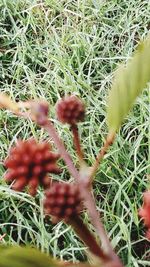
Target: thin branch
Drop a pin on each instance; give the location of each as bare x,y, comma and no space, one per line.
61,149
76,141
95,219
109,141
87,237
85,187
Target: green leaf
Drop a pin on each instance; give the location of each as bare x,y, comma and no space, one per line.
129,81
25,257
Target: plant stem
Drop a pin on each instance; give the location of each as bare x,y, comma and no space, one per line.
86,236
61,149
85,187
76,141
109,140
95,219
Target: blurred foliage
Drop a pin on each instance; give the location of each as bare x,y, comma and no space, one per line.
23,257
129,81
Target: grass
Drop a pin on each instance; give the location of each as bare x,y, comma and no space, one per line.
51,48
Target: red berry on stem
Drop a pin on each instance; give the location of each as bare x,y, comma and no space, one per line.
28,166
62,201
70,109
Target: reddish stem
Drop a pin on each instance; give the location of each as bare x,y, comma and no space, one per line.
61,149
86,236
95,219
109,141
76,141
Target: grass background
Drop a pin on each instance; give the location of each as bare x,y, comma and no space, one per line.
51,48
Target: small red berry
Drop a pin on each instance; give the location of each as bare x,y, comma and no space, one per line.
70,109
62,201
28,164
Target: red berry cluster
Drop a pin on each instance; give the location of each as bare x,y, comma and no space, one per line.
70,109
144,212
62,201
28,164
